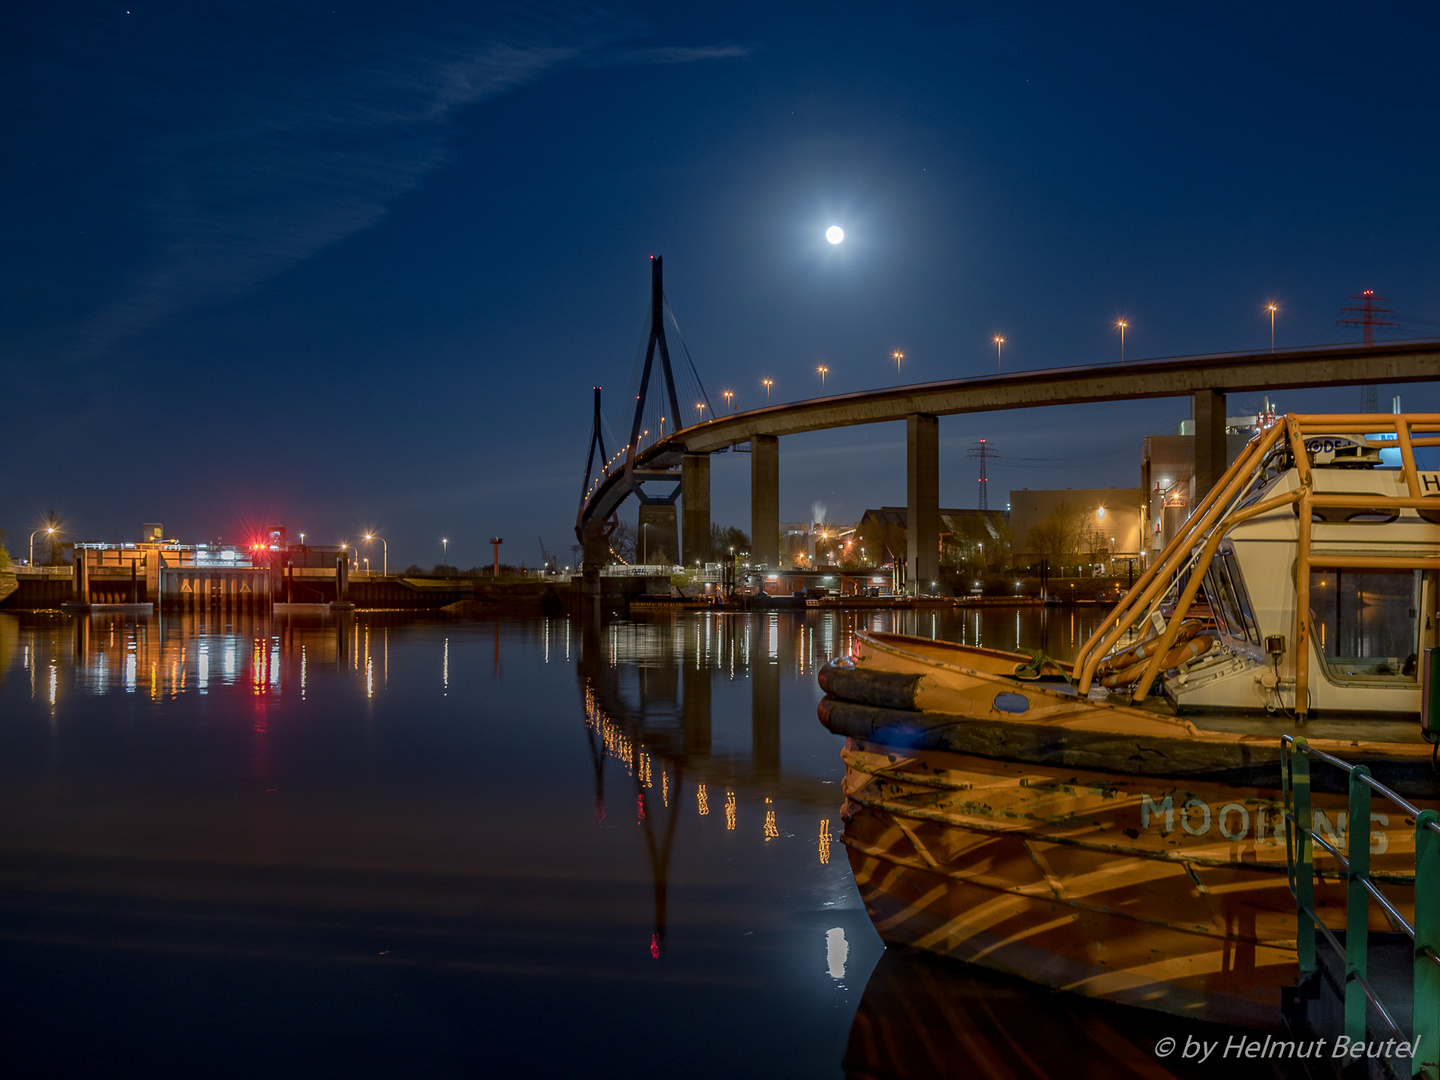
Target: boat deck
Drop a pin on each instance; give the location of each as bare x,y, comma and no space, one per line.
1344,729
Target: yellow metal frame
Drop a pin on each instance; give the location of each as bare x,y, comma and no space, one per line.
1195,545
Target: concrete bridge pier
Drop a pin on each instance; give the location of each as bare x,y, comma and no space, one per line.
922,501
658,538
695,501
1207,409
594,554
765,500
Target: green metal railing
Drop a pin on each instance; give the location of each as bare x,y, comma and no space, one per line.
1300,838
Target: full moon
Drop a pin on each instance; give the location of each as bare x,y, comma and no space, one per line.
834,234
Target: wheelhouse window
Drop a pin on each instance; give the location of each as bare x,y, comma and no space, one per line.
1229,601
1364,622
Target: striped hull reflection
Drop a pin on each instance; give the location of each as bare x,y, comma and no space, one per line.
1117,887
924,1019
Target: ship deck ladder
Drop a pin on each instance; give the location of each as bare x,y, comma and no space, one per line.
1354,863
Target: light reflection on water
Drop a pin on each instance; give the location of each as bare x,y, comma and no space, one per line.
407,845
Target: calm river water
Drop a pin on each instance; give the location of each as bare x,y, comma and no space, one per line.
383,845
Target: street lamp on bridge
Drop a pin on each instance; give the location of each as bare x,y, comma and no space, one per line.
384,554
767,383
49,530
897,356
699,411
823,370
999,344
1121,325
729,396
1272,307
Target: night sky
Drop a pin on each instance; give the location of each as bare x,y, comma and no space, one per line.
356,266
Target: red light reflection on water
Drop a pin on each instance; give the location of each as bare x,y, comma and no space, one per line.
640,804
654,946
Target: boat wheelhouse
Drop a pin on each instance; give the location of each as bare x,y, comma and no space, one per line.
1346,533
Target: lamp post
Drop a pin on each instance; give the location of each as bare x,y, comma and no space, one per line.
699,411
445,552
767,383
302,539
897,356
644,545
823,370
384,555
729,396
49,530
999,343
1121,325
1272,307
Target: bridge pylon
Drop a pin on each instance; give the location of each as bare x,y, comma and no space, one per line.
667,373
658,518
594,535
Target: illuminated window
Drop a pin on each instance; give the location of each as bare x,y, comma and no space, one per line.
1366,622
1225,590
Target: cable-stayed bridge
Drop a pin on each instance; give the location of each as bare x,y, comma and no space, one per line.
677,459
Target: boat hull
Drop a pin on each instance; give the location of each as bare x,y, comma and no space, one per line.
1160,892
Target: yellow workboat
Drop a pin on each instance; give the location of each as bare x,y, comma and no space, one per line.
1113,826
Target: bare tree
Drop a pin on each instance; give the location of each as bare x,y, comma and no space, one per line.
724,539
622,542
1064,537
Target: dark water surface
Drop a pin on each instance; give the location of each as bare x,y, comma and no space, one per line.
382,845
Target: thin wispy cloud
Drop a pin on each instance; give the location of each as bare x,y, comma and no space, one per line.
286,159
677,54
